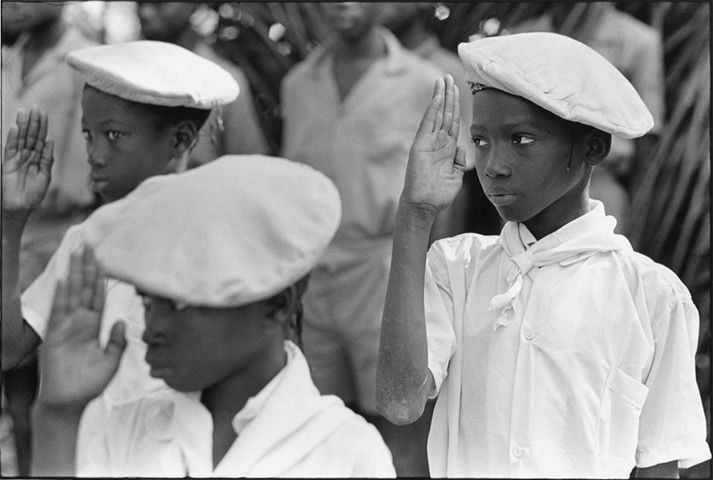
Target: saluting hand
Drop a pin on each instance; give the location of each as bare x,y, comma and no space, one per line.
434,174
74,367
27,162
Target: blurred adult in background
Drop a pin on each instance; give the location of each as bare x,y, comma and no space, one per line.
414,25
234,128
351,110
636,49
36,38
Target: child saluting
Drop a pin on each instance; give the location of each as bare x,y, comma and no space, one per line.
554,349
220,255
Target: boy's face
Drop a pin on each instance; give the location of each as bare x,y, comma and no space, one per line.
164,21
351,20
521,157
124,143
195,348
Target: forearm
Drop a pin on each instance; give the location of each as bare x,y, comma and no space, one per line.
54,441
402,371
18,339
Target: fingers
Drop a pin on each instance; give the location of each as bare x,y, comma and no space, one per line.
429,119
47,158
459,160
75,280
11,142
60,306
455,125
33,128
22,122
448,107
117,340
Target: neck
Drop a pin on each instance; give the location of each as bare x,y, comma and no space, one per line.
369,45
414,36
225,399
46,35
560,213
187,39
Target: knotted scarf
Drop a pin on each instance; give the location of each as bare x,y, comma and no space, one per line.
588,235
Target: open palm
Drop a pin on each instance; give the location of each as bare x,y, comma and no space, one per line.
74,367
434,175
27,162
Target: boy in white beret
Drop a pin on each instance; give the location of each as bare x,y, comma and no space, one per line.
143,105
221,256
554,350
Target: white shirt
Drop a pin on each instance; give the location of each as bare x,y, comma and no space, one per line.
287,429
584,367
132,379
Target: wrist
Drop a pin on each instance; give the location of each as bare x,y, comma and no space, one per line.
15,219
65,413
419,216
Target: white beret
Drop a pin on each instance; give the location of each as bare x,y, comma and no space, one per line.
231,232
561,75
156,73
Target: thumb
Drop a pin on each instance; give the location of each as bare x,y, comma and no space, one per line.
459,160
117,340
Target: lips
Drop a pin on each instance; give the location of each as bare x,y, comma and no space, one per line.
500,197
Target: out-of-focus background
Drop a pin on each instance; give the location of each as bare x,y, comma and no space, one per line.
667,186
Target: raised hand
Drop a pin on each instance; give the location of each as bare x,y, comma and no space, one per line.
27,162
434,175
74,367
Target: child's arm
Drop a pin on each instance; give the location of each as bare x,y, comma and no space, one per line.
74,368
26,169
433,178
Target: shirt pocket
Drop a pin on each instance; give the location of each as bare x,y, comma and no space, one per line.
618,422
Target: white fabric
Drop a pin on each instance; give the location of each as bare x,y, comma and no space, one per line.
155,73
561,75
593,375
559,247
287,431
132,380
231,232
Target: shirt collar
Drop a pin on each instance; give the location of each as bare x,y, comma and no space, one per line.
573,229
256,403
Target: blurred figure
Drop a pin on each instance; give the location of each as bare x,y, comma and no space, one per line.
414,25
351,110
636,50
239,129
35,40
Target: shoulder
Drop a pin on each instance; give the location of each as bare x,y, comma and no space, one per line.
303,69
462,246
660,287
362,442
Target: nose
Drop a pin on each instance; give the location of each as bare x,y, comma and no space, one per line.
496,163
95,155
156,326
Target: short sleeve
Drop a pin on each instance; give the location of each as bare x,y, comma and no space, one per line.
438,307
672,423
36,300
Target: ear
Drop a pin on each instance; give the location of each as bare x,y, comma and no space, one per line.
184,137
281,307
597,144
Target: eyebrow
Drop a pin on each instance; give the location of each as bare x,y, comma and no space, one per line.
527,124
107,122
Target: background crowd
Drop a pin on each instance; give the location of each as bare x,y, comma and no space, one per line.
657,187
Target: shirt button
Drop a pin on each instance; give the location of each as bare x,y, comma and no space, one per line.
529,335
517,452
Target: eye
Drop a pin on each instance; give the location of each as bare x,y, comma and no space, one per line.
86,134
479,142
113,135
522,139
177,306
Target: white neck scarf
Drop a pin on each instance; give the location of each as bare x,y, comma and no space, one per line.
588,235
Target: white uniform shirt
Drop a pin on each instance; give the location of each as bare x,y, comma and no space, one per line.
287,429
584,366
132,380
